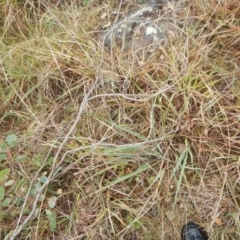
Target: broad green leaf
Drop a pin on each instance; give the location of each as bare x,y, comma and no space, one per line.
11,140
20,158
8,183
52,219
6,202
42,198
2,156
33,192
52,202
43,178
4,173
2,193
3,147
36,212
35,189
37,159
38,186
85,2
19,202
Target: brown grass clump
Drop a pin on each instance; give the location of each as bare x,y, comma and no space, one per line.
116,148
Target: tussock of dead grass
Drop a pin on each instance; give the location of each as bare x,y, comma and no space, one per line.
157,143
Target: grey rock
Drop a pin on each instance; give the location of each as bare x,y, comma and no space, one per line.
146,27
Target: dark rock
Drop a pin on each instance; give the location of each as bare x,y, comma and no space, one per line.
147,26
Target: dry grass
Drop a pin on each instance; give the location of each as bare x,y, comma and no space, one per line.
154,146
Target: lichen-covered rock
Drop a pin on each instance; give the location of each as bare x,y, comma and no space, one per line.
148,27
